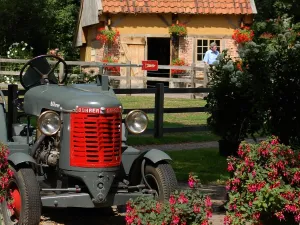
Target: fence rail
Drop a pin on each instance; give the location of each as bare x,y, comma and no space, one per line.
13,92
189,78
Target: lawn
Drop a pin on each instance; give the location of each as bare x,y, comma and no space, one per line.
210,167
170,120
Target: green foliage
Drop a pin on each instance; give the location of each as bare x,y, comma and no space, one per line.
230,102
186,207
265,184
41,24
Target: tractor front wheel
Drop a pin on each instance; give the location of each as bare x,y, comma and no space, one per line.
22,203
162,179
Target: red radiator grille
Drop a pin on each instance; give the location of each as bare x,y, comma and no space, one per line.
95,140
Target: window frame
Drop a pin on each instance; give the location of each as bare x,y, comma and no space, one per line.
209,40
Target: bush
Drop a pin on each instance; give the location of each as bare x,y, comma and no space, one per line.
265,184
185,207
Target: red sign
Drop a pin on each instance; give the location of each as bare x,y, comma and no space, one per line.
150,65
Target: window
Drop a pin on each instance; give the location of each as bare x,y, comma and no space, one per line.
203,45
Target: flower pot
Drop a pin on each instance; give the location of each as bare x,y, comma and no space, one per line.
228,148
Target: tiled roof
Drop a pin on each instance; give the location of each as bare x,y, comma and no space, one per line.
180,6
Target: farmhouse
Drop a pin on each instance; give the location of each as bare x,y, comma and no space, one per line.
144,28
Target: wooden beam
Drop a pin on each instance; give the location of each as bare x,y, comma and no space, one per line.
163,19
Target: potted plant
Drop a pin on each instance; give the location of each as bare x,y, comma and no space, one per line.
108,36
177,73
178,30
264,188
185,207
230,104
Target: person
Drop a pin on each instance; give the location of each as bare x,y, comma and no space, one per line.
209,58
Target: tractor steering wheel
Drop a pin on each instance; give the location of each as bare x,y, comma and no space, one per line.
40,72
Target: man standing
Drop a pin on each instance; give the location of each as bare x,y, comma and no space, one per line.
210,56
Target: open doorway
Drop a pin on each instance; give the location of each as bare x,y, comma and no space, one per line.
159,49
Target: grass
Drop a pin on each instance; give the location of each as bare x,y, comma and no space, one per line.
210,167
173,138
170,120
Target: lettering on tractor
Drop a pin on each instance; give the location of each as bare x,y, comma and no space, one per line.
76,155
53,104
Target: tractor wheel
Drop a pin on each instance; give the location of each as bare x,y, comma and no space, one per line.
24,194
162,179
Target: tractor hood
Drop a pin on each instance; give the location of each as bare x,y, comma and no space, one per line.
55,97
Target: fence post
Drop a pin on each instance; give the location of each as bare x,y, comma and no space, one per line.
61,72
128,77
12,114
193,76
159,111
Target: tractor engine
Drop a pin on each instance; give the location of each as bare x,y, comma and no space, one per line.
49,150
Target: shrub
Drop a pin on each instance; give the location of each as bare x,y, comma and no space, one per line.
185,207
265,184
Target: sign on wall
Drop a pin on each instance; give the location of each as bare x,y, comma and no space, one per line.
150,65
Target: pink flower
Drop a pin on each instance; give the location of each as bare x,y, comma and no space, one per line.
191,183
230,167
182,199
175,220
172,200
280,216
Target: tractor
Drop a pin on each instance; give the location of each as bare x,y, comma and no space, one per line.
69,147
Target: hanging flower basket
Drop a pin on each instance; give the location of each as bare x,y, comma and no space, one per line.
113,69
108,35
178,30
178,62
243,35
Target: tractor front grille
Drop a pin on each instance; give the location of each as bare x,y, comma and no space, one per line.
95,140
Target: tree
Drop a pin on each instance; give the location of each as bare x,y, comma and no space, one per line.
42,24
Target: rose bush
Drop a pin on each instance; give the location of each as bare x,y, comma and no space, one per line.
264,188
185,207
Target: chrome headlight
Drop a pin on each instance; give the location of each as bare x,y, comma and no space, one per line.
136,121
49,123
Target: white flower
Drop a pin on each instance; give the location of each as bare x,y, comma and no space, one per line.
233,79
26,44
23,49
16,51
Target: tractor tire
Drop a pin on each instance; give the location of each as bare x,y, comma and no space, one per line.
25,192
161,177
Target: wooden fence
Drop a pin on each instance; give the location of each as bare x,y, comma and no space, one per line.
191,79
12,93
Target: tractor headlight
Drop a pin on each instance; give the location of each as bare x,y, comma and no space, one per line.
136,121
49,123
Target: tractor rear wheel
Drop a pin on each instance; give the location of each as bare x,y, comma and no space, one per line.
22,203
162,179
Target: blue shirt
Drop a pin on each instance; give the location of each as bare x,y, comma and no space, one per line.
210,56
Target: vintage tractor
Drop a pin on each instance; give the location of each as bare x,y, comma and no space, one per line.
69,147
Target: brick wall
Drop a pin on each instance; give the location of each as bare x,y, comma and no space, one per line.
232,48
186,49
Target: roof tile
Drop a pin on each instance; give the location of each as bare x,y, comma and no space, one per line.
178,6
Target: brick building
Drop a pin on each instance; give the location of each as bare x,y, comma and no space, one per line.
144,29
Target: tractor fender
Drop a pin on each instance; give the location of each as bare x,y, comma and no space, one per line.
155,155
20,157
3,131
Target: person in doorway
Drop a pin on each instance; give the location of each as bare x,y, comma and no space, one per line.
209,58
